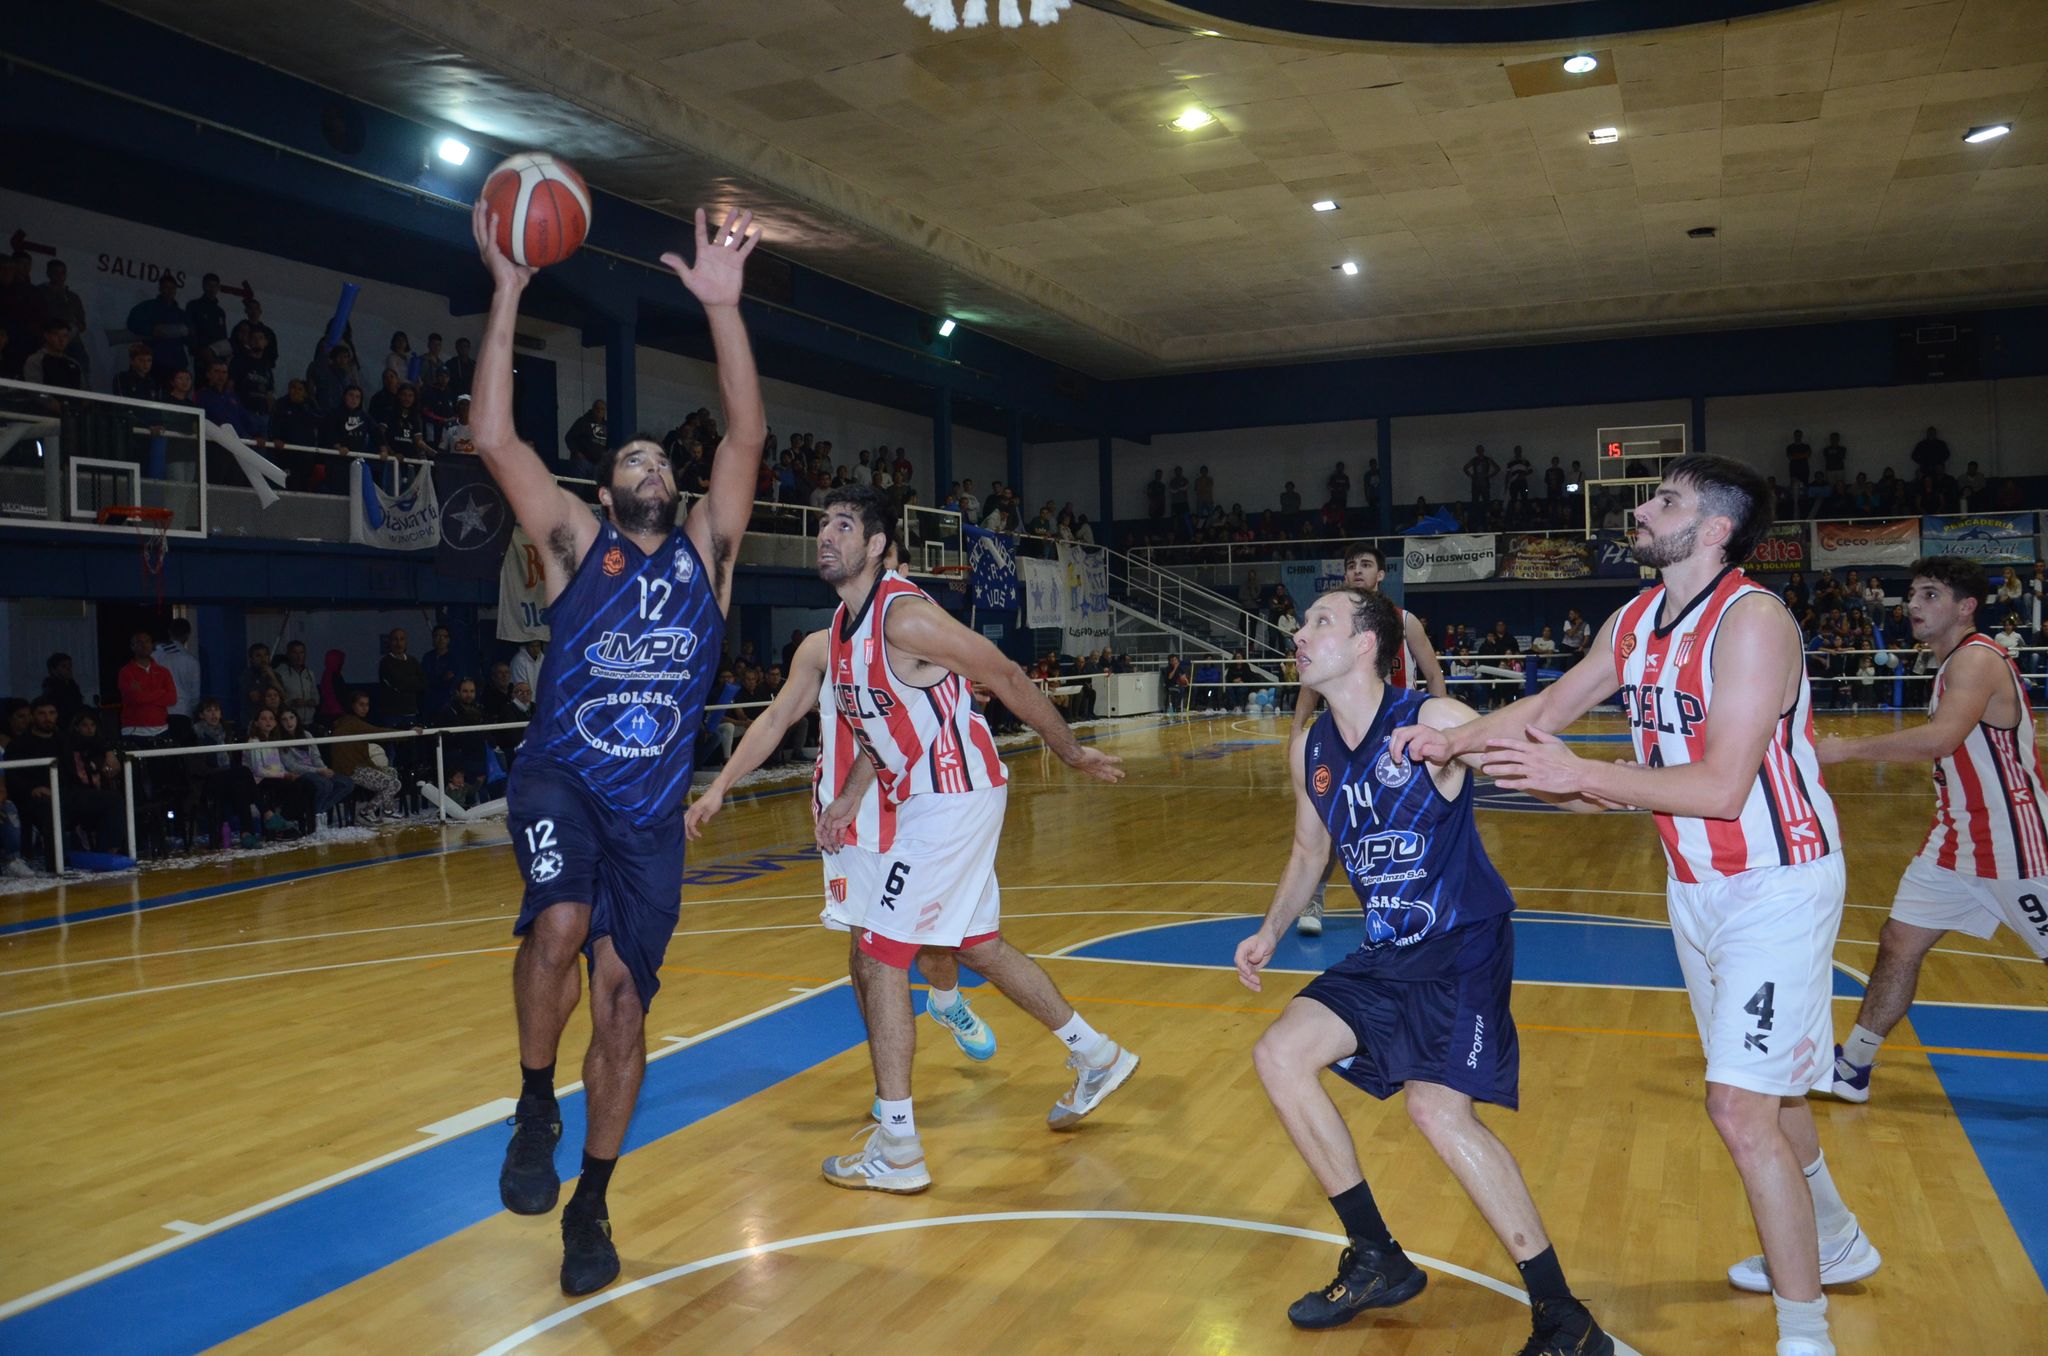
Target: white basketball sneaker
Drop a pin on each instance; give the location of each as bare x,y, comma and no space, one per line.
1801,1346
1842,1262
885,1162
1091,1087
1310,924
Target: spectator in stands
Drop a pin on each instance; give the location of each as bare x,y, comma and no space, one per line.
328,376
259,677
349,427
218,401
61,688
52,364
437,407
456,437
252,323
1544,648
178,391
1576,634
401,682
253,371
299,684
1799,458
1479,471
461,368
206,324
14,719
147,693
519,707
1290,499
92,783
1834,457
526,663
1205,491
59,302
1155,495
384,403
176,655
1177,493
1084,532
405,432
1930,454
496,691
398,362
161,321
302,759
433,362
464,752
723,730
284,798
1173,684
444,672
1339,486
1835,502
137,381
28,788
587,439
1519,472
1863,494
366,763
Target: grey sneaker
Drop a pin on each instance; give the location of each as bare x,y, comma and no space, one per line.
1310,924
1091,1086
885,1162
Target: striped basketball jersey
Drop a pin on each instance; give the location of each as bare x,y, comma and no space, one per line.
1413,858
874,825
923,740
622,689
1403,673
1667,687
1987,791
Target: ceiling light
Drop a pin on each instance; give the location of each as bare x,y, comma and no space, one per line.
453,151
1350,269
1604,136
1990,132
1324,204
1193,119
1580,64
1207,33
946,328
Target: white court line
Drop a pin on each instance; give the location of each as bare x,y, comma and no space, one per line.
265,941
616,1293
196,1232
237,979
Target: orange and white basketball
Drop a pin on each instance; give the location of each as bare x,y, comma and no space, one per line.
542,205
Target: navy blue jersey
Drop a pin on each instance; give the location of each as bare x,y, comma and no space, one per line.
1414,858
634,649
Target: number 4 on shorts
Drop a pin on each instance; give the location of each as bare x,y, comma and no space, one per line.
1759,1006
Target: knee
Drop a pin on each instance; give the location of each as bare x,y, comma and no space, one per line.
1278,1058
556,939
1907,943
1746,1121
1435,1114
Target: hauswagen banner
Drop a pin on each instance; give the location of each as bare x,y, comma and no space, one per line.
1783,549
2001,539
1434,560
1891,541
1529,556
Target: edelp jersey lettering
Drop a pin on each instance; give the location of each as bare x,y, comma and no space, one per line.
1413,858
637,639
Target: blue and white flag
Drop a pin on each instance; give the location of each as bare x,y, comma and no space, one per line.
409,521
993,567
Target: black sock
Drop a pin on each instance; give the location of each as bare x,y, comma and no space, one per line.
1360,1214
597,1175
1544,1277
537,1083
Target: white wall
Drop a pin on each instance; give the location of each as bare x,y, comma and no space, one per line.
1430,451
1251,465
2001,424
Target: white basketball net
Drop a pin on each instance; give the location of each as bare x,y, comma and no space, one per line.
974,13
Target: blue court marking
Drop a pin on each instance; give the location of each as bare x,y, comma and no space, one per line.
227,1283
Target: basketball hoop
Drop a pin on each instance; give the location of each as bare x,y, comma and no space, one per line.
153,529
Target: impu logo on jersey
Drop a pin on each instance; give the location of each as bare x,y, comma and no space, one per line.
1368,861
645,656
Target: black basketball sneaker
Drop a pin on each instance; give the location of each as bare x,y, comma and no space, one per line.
1367,1278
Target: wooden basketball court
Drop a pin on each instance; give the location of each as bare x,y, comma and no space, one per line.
259,1106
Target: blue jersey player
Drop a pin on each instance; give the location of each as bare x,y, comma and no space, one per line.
1421,1007
636,606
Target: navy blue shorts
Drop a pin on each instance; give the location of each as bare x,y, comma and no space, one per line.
1435,1012
573,849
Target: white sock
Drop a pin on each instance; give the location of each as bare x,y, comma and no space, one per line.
1804,1320
1860,1047
942,999
1093,1047
898,1121
1835,1219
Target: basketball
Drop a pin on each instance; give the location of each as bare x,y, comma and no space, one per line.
543,208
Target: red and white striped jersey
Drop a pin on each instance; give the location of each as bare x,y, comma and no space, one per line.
874,825
1403,673
1987,792
1667,687
923,740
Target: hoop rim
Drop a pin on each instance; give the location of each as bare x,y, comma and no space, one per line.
137,513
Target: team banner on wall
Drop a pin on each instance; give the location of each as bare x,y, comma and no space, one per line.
522,597
1045,591
1307,580
2004,539
1783,549
1614,555
476,523
407,521
1086,619
1434,560
992,562
1892,541
1537,557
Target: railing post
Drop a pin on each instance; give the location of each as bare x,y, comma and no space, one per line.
128,801
440,778
56,822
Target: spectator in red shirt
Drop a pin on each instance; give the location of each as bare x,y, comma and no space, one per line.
147,691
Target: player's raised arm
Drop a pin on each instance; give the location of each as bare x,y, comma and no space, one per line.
920,629
718,521
560,523
764,734
1548,711
1975,677
1306,862
1426,666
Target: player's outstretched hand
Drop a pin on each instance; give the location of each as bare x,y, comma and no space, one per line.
721,259
1832,750
834,821
483,224
1542,762
1103,767
1252,954
1412,742
700,812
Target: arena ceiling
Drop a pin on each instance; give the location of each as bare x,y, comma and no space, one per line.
1032,183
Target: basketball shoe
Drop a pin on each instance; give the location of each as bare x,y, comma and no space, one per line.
1565,1328
1852,1081
590,1261
964,1025
1367,1278
1800,1346
885,1162
1091,1086
1310,924
1843,1261
528,1183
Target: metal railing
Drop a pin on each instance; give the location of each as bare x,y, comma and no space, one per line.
56,805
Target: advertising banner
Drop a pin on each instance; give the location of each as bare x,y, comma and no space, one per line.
2001,539
1434,560
1538,557
1086,620
1891,541
1782,550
